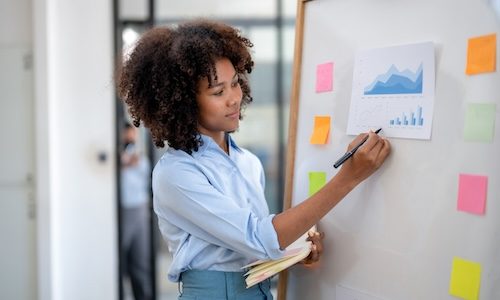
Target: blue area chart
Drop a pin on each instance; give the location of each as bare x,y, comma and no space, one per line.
395,82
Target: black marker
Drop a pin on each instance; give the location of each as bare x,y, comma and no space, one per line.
351,153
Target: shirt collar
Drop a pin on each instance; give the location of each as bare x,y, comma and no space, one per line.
208,142
233,144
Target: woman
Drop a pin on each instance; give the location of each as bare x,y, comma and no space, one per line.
188,85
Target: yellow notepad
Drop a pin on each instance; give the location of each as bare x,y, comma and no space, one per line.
263,269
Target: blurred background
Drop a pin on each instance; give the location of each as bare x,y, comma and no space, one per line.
61,124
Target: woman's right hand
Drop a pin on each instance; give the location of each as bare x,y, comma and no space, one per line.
291,223
367,159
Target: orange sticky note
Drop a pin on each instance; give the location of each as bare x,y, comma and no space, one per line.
324,77
481,54
321,130
465,279
472,193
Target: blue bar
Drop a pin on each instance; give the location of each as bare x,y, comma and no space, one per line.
398,121
413,120
421,122
392,122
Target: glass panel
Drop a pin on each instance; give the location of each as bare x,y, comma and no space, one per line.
259,131
289,8
136,10
174,9
288,50
265,43
130,35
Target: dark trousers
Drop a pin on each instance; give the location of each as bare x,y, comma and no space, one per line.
136,250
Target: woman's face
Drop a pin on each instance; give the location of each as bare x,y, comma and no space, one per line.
219,104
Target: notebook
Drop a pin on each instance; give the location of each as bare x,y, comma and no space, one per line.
262,269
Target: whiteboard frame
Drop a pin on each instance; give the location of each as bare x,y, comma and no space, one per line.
292,125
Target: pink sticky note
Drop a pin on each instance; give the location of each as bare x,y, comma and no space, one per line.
324,77
472,193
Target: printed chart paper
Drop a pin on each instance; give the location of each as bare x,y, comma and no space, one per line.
393,88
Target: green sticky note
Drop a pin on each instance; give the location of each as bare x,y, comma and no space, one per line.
316,181
465,279
480,122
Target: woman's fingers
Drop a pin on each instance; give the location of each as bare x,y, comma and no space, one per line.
316,248
356,141
372,141
383,152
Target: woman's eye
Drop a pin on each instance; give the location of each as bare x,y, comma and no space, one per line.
219,93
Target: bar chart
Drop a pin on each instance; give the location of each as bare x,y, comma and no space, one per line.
413,118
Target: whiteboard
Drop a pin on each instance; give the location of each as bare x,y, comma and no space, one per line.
395,236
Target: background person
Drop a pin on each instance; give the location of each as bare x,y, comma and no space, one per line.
135,216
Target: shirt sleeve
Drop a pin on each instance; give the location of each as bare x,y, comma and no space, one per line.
184,196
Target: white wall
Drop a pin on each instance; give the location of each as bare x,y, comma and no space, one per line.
74,107
17,223
15,22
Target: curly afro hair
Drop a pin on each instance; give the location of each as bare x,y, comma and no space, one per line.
159,80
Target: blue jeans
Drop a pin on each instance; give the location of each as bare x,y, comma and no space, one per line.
217,285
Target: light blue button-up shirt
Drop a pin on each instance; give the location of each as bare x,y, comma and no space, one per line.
211,209
135,183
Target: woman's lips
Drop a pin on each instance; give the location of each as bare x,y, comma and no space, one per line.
233,115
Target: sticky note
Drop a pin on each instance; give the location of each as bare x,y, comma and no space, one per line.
480,122
321,130
472,193
465,279
324,77
481,54
316,181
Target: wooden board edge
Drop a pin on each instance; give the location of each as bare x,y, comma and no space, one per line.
292,126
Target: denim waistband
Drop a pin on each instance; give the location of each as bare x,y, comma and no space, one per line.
201,284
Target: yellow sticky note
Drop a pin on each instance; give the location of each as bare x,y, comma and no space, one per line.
321,130
481,54
465,279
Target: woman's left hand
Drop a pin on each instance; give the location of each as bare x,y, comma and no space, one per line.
316,249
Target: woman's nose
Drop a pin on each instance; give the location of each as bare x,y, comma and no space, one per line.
233,101
235,97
